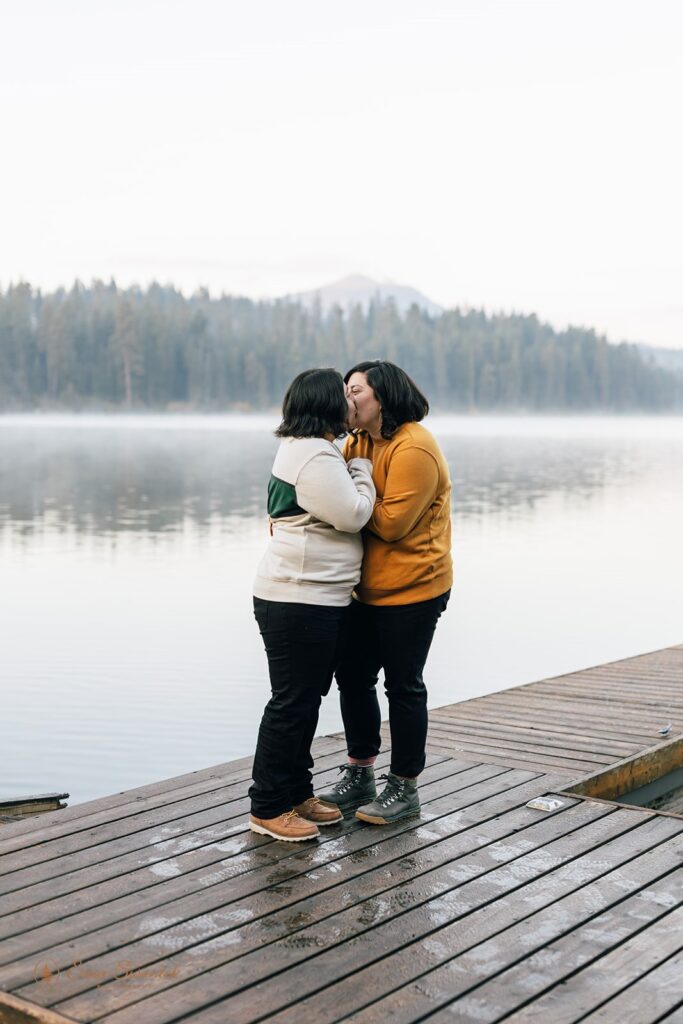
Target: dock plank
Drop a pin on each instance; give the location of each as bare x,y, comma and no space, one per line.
190,893
537,932
649,1000
207,836
360,935
138,800
528,746
45,839
462,956
522,733
622,982
502,757
316,894
14,1010
495,710
482,908
562,708
159,828
593,937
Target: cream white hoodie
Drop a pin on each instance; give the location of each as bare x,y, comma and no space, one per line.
317,504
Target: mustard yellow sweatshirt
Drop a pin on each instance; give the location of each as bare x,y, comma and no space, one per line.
407,542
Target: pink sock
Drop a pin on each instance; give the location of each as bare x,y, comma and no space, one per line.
363,762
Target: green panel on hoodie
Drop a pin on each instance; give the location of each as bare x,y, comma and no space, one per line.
282,499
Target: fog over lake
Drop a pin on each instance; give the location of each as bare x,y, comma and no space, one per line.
128,546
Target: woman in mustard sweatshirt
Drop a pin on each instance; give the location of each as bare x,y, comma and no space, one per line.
404,587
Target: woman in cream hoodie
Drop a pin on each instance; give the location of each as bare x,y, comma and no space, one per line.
317,504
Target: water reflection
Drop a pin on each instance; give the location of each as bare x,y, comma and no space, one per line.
128,550
115,480
157,476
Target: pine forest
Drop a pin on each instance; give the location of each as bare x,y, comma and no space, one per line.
103,347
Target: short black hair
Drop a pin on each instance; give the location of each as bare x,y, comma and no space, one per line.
315,405
397,393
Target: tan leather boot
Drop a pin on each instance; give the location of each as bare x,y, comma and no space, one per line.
314,810
288,826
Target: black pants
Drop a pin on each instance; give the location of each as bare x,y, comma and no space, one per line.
396,638
302,643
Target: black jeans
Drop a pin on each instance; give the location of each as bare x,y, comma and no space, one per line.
396,638
302,643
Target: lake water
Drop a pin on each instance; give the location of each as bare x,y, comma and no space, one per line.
128,546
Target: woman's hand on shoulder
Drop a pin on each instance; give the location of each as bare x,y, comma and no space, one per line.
360,463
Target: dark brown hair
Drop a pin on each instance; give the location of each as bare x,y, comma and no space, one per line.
315,405
397,393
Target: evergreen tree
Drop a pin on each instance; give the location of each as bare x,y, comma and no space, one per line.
109,347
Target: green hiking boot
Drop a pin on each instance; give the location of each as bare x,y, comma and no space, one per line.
399,799
356,786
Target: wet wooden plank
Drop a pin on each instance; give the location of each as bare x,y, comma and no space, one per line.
481,892
463,973
627,671
509,762
522,744
285,977
540,721
315,894
563,708
633,772
503,756
223,774
19,1011
55,841
603,689
39,804
199,891
364,906
201,868
631,964
576,693
595,936
643,667
235,771
203,859
513,714
461,957
554,734
521,732
623,695
55,826
648,1000
646,671
48,858
150,847
533,752
631,689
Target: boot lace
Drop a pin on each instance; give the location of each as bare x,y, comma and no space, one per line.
393,791
352,777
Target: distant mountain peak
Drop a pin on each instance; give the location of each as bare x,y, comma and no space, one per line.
359,290
354,281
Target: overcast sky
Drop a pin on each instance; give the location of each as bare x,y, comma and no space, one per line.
521,154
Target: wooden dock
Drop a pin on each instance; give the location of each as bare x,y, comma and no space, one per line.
158,905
